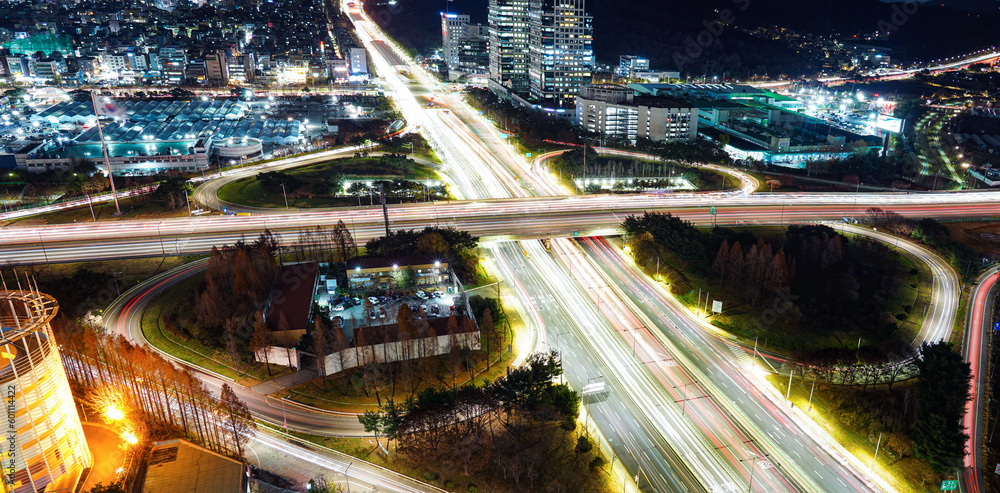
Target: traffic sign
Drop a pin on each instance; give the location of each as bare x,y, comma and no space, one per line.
949,485
996,325
576,233
998,468
711,210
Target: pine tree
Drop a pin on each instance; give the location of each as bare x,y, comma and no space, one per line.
736,263
238,420
943,389
261,339
319,348
722,260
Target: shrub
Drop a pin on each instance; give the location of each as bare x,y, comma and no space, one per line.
583,445
596,463
473,488
430,476
568,424
449,484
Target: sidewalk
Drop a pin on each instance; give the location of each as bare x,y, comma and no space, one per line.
109,455
285,382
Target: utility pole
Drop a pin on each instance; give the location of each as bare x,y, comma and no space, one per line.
385,210
788,394
285,193
90,202
104,149
42,243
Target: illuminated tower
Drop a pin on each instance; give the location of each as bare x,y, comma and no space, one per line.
42,442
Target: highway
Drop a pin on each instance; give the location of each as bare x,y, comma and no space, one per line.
785,434
976,348
594,215
719,446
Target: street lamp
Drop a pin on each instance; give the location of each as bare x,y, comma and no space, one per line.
285,193
753,462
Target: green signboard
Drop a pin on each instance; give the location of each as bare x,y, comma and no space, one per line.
949,485
576,233
711,210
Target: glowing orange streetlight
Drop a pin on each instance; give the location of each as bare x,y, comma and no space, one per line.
128,436
113,413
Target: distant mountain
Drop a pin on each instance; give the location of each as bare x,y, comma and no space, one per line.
974,6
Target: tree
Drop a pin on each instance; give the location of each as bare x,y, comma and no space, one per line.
113,487
454,351
721,260
486,328
392,418
319,348
232,328
237,418
261,339
943,390
371,420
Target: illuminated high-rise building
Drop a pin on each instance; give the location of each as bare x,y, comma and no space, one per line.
508,43
560,51
42,443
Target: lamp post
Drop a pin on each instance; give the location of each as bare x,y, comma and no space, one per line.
753,462
163,251
285,194
639,455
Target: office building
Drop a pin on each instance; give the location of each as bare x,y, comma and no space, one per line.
45,448
216,68
473,55
628,65
358,60
614,111
454,29
560,51
173,64
508,44
47,69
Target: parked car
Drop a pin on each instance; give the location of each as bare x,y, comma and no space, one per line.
356,300
338,308
422,295
435,309
424,308
373,300
437,294
383,299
